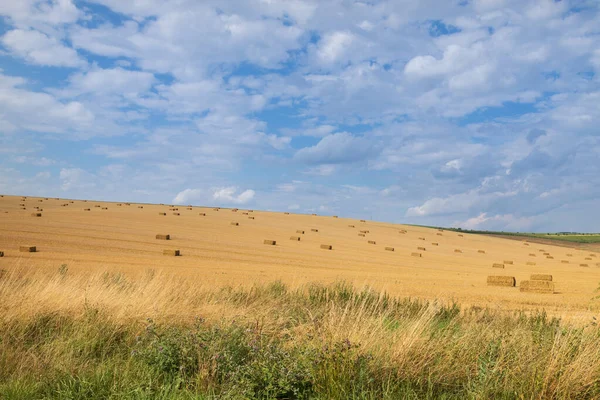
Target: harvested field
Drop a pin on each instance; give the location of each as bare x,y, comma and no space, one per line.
122,239
496,280
539,286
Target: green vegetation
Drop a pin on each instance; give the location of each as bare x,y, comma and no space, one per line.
270,342
573,237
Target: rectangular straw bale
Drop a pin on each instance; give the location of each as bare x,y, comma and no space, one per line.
526,244
546,254
569,255
105,208
530,263
234,209
162,213
435,244
362,220
175,253
176,213
583,265
87,209
531,254
507,262
119,204
588,258
592,255
27,249
1,252
270,242
215,209
537,286
350,226
36,214
250,210
550,257
540,277
457,250
460,235
389,248
481,251
335,216
314,230
250,217
500,280
361,234
163,237
300,231
327,246
286,213
190,208
140,206
421,248
244,213
421,238
364,231
416,254
438,234
564,261
296,238
496,265
314,215
372,242
235,223
202,214
97,206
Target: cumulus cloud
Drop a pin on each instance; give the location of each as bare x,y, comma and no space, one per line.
338,148
229,195
37,48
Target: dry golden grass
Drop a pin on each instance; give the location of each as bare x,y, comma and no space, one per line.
122,239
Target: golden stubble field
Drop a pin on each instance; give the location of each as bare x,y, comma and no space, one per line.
121,238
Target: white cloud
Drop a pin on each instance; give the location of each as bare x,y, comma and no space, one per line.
338,148
228,195
37,48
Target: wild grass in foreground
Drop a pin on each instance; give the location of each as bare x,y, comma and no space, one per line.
104,336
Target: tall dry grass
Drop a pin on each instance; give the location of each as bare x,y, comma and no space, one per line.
103,335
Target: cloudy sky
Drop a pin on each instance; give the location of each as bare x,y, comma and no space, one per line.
475,113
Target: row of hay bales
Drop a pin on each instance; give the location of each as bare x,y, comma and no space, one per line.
537,283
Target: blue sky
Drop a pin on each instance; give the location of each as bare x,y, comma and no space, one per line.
482,114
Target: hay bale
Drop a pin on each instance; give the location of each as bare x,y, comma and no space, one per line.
41,201
87,209
531,254
314,215
364,231
541,277
250,217
362,220
588,258
327,246
389,248
250,210
421,248
335,216
526,244
416,254
500,280
97,206
244,213
296,238
541,250
438,234
314,230
300,231
421,238
202,214
286,213
119,204
496,265
460,235
546,254
550,257
361,234
592,255
508,262
350,226
176,213
234,209
163,237
457,250
235,223
36,214
174,253
481,251
537,287
215,209
27,249
105,208
569,255
190,208
372,242
583,265
564,261
1,252
140,206
270,242
435,244
162,213
530,263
